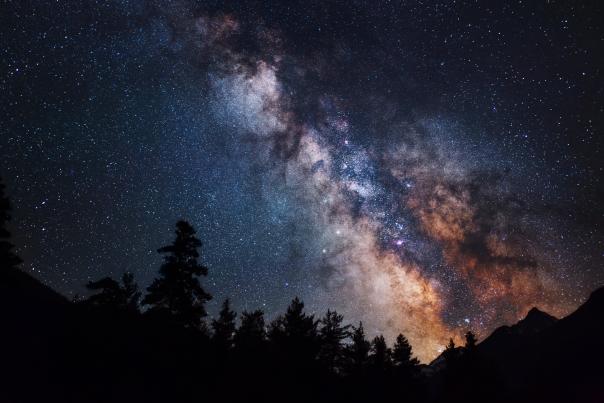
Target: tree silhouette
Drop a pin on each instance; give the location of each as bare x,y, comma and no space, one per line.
381,355
359,349
406,368
470,341
249,358
450,352
295,333
111,293
402,356
468,375
251,332
131,292
332,334
224,327
295,323
178,291
8,259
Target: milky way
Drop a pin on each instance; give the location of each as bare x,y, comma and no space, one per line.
351,172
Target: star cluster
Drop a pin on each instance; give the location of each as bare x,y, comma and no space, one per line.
425,167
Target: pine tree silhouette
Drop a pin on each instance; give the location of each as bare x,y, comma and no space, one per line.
470,341
402,356
295,323
295,333
450,352
178,291
381,355
251,332
250,359
406,369
8,259
332,334
224,327
359,349
114,294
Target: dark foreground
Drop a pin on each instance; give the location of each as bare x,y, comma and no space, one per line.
54,350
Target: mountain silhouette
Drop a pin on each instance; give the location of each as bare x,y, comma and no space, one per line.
507,339
19,287
534,322
568,356
542,358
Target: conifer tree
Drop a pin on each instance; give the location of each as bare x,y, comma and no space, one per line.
178,292
402,355
112,293
359,349
471,341
381,357
332,334
224,327
450,353
295,332
251,332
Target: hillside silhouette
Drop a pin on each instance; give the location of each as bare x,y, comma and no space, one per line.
123,344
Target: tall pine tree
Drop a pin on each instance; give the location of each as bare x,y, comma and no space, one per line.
402,356
332,335
224,327
381,357
178,292
251,333
359,349
295,333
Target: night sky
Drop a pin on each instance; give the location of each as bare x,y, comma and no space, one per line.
425,167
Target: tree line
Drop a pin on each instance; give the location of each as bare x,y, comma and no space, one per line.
178,296
295,340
